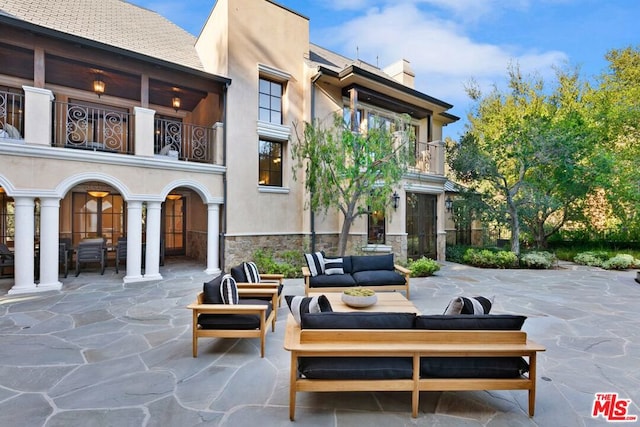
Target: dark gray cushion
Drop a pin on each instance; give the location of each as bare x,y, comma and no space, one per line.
335,280
211,291
355,368
238,273
371,262
378,278
234,321
473,367
491,322
355,320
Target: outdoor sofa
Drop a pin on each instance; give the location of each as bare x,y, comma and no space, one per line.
373,351
335,274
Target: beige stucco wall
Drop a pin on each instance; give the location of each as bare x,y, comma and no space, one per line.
259,33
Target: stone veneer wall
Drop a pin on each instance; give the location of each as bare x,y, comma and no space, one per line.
241,248
238,249
197,245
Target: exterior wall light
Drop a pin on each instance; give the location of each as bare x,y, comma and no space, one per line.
175,102
448,204
396,199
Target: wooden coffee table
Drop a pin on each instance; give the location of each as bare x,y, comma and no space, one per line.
390,302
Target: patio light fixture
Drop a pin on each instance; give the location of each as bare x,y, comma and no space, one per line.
448,204
174,196
396,199
98,194
98,86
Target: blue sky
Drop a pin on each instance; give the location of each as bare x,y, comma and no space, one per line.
451,42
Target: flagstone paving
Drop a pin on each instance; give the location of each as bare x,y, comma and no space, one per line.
102,353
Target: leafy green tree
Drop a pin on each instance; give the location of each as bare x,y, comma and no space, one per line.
615,110
350,171
528,152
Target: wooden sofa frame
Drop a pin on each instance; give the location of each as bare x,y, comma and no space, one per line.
400,269
412,343
199,307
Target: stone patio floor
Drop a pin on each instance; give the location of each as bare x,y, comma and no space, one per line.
101,353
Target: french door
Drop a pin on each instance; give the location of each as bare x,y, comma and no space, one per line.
421,225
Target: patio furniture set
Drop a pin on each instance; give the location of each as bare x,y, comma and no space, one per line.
388,346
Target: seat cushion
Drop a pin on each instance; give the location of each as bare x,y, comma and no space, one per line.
234,321
357,320
473,367
490,322
378,278
335,280
355,368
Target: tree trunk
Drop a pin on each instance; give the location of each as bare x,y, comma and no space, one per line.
344,235
515,229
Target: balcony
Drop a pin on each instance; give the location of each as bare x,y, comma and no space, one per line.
428,157
101,128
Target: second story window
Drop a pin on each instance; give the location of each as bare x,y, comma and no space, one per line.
270,103
270,163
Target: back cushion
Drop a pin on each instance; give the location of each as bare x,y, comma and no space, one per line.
211,291
371,263
353,320
490,322
238,274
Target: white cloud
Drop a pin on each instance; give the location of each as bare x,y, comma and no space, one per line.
442,55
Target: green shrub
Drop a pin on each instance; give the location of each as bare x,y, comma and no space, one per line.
486,258
591,258
540,260
455,253
288,263
620,262
423,267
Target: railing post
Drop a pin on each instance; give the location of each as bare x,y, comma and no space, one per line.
218,140
37,115
143,133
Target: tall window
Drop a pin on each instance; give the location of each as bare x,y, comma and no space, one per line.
95,216
376,228
270,163
270,104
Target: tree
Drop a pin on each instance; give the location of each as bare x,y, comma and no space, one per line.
353,172
527,152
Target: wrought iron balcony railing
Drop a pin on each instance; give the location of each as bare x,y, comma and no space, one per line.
92,128
11,115
184,141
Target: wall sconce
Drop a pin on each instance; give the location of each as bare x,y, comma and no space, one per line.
98,194
175,102
396,199
448,204
98,86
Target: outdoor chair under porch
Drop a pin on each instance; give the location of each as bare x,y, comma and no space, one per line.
91,251
6,258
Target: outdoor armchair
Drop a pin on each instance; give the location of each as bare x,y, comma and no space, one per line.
6,258
91,251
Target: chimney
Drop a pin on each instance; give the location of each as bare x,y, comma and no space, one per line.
401,71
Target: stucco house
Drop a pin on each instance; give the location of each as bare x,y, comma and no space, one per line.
119,124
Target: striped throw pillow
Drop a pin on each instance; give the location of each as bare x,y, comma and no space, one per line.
229,290
251,271
464,305
315,262
333,266
300,305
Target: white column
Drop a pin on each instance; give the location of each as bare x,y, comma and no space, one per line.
49,228
144,133
37,115
152,263
213,238
134,242
24,251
